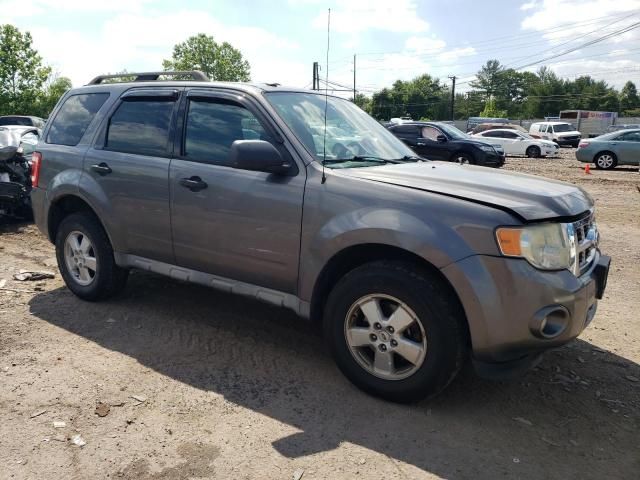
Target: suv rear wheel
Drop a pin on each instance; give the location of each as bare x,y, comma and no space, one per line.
395,331
85,258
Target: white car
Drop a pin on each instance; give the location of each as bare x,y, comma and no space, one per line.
515,142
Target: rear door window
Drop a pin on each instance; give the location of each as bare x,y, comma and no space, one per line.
406,130
74,117
510,135
630,137
140,125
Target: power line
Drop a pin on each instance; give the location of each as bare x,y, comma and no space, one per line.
602,38
500,39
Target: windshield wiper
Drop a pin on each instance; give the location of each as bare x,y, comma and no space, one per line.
363,158
412,158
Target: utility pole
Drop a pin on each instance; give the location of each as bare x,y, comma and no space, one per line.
453,96
354,78
316,80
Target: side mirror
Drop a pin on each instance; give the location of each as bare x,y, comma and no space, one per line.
441,139
520,139
258,156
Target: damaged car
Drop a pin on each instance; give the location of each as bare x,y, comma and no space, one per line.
17,144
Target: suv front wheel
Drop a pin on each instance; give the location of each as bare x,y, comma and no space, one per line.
85,258
395,331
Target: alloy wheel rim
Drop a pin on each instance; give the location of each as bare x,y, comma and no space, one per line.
385,337
462,160
605,161
80,258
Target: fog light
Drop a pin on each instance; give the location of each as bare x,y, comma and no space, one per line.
550,322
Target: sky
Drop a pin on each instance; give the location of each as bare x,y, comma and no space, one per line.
392,40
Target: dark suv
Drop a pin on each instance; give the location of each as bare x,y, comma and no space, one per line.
410,266
440,141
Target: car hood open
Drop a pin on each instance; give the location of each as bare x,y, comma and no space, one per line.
529,197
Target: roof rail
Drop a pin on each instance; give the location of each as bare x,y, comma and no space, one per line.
196,75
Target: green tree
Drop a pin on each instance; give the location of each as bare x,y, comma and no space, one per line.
422,97
629,99
220,62
492,111
363,102
489,79
55,88
22,74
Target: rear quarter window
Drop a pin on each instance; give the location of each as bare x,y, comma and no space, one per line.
73,118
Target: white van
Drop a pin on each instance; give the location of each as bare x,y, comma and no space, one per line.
562,133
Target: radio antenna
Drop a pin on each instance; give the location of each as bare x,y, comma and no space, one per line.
326,99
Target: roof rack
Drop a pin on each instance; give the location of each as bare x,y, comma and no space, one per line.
196,75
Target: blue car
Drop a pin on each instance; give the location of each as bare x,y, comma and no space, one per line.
611,149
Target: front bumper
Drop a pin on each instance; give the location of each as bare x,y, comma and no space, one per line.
491,159
572,142
515,312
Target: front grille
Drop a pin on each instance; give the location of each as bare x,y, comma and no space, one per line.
585,236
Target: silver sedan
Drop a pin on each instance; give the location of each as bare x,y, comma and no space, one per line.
611,149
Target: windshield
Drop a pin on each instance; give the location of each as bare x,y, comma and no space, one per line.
563,127
353,138
452,132
23,121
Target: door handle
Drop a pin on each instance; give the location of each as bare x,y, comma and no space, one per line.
420,144
195,184
101,168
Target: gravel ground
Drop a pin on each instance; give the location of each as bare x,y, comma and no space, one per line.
194,383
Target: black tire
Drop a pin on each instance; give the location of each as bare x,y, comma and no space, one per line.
602,162
463,158
109,279
533,152
434,305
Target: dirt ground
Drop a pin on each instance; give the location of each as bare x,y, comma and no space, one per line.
200,384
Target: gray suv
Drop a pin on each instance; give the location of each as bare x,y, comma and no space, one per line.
304,201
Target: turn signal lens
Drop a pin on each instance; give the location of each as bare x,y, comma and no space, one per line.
509,241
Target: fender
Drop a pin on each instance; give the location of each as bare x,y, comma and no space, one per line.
75,182
435,242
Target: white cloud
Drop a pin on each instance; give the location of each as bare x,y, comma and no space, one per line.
573,22
136,41
615,72
529,5
579,16
456,53
424,44
400,16
14,9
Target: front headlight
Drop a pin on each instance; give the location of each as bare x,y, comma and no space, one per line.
487,148
546,246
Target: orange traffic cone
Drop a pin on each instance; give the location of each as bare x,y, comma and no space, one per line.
587,169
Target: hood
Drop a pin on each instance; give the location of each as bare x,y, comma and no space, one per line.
476,142
529,197
567,134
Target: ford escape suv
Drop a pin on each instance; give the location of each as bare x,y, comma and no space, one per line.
411,266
